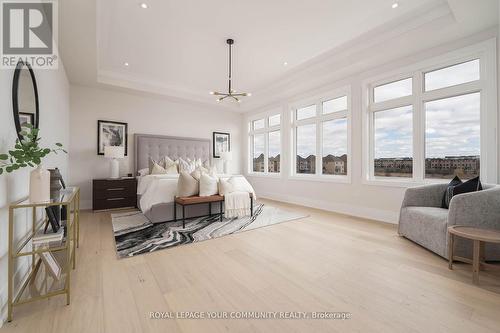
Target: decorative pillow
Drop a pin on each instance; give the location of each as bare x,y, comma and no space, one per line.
198,172
158,170
212,171
206,164
168,162
172,169
186,166
225,187
472,185
448,194
208,185
143,172
153,162
187,186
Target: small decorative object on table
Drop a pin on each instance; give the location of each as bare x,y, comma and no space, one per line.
27,153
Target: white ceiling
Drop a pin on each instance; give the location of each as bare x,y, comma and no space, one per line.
177,48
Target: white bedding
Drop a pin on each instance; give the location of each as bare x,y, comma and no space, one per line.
158,189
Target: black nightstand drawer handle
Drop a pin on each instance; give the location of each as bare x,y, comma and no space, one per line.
115,199
115,189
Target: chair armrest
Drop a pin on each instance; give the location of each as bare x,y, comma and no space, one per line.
424,196
478,209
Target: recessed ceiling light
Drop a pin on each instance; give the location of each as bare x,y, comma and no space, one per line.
144,5
285,64
395,5
126,64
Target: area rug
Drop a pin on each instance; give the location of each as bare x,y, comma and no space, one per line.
135,234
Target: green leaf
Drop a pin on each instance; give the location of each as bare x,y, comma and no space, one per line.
8,169
59,144
65,151
1,171
4,157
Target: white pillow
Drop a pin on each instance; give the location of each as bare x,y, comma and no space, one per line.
158,169
167,162
172,169
208,185
198,172
212,171
143,172
186,166
225,187
153,162
187,186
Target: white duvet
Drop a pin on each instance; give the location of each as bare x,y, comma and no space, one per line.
159,189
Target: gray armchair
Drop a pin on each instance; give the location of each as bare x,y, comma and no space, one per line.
423,221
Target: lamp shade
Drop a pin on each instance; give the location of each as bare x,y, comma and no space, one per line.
226,156
114,152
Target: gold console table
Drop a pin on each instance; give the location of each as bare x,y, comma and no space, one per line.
70,199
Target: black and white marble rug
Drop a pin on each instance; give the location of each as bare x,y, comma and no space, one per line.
134,234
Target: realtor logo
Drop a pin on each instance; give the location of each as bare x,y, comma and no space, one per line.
28,33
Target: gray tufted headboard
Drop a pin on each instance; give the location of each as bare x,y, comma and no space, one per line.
158,146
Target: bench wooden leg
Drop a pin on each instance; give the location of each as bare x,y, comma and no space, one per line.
220,209
210,209
251,205
183,217
175,211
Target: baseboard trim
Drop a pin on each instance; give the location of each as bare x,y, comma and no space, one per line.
352,210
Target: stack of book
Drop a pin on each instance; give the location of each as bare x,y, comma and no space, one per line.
50,238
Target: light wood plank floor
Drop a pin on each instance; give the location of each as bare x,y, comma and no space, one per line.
326,262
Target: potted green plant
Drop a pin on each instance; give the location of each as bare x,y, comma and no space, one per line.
28,153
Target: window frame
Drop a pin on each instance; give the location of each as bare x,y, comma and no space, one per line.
486,85
265,130
318,120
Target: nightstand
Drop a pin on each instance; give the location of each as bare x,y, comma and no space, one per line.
114,193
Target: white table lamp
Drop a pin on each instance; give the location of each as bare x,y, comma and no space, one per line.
114,153
226,156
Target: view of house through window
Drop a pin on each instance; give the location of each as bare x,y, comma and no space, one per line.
265,144
325,130
451,135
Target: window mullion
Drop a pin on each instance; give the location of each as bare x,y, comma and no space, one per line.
418,128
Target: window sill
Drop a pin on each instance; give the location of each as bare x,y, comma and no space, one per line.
322,178
403,182
264,175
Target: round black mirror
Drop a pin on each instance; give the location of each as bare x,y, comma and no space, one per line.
25,97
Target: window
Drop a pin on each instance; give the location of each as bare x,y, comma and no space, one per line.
392,90
273,159
265,144
321,138
306,149
307,112
393,142
453,75
452,128
428,124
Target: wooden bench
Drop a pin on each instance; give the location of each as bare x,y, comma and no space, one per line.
196,200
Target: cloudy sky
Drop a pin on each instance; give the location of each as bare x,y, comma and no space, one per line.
452,125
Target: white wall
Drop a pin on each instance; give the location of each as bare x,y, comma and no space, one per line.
53,91
144,114
357,198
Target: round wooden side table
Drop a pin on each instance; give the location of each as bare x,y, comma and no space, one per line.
479,237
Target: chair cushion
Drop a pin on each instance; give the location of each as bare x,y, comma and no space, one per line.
426,226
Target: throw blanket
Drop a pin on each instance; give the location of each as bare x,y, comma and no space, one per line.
237,204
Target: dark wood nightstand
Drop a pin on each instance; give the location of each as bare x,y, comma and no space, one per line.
114,193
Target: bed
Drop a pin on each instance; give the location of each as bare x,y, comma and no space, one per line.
156,193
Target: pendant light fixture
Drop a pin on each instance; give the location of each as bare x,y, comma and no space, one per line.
230,92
